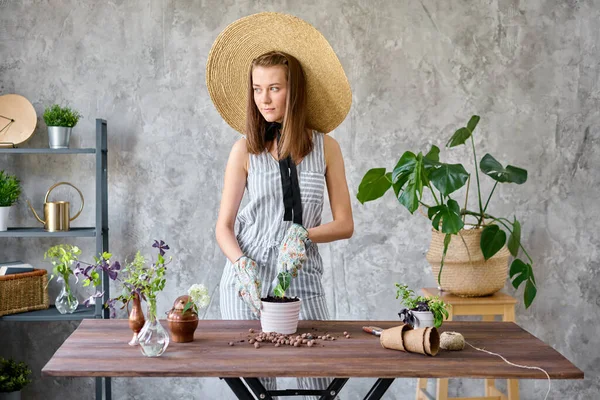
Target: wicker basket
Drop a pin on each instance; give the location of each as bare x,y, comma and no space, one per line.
466,272
24,292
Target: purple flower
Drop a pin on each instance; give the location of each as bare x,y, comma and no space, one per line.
90,301
161,246
113,270
110,304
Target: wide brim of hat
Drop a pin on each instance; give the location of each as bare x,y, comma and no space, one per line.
328,92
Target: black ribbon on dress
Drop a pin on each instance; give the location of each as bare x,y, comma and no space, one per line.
290,186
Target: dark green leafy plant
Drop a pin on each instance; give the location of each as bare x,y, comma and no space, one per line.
14,376
415,173
421,303
10,189
56,115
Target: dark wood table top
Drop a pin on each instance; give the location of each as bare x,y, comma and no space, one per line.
99,348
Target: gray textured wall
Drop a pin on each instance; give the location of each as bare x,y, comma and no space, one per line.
418,70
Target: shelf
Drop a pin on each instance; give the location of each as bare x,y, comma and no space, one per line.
51,314
40,232
46,151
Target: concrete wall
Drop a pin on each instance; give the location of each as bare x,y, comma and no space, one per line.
418,70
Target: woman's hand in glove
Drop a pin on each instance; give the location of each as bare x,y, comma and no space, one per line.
292,251
248,285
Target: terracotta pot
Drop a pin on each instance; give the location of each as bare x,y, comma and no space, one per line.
136,319
182,325
466,273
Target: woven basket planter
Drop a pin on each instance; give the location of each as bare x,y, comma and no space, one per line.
24,292
466,273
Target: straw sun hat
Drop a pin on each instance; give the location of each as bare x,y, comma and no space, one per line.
328,92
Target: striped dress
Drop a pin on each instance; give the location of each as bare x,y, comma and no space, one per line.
260,230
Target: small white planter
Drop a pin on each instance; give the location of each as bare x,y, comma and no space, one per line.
280,317
424,319
4,211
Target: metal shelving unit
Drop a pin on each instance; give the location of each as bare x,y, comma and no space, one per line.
40,232
99,232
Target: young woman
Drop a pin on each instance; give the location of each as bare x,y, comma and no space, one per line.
284,163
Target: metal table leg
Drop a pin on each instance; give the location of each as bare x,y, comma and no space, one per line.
379,389
238,388
258,389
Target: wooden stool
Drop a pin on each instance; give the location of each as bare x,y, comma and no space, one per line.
488,307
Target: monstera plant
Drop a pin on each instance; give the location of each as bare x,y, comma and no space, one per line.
415,174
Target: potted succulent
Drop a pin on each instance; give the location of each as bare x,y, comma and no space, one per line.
280,313
421,311
183,317
14,376
10,190
60,122
476,254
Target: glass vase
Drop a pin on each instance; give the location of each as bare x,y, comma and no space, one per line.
153,338
66,302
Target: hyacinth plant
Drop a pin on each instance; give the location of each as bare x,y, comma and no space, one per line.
199,298
140,276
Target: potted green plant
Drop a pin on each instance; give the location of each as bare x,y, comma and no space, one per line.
476,254
63,257
10,190
60,122
421,311
280,313
14,376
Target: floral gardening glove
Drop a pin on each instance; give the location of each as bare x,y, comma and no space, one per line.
292,251
248,284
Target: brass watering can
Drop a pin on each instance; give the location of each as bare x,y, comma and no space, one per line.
56,213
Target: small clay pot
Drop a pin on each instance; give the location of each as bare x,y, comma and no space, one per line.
182,325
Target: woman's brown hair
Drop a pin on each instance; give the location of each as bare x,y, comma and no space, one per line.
295,139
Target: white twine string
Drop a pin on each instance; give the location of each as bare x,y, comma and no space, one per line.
517,365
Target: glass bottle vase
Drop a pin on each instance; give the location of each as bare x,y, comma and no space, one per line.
153,338
66,302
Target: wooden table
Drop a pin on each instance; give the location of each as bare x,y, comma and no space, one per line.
487,307
98,348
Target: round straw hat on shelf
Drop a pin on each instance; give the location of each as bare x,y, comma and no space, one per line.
328,92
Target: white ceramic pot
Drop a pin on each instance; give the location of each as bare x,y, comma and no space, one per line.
4,218
424,319
280,317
